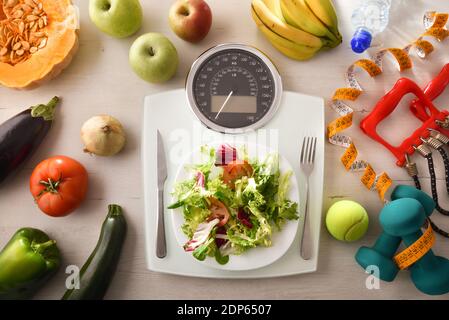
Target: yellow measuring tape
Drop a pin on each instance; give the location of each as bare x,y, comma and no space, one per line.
435,25
417,250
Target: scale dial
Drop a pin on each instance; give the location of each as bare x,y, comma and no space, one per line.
232,88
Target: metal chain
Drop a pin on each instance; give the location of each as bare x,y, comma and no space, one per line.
443,154
433,185
417,183
438,230
434,190
434,226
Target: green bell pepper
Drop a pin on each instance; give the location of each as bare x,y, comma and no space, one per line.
28,261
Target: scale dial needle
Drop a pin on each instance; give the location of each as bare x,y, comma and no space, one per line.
224,104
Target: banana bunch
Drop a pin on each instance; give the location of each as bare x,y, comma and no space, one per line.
297,28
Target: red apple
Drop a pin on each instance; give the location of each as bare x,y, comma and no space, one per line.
190,19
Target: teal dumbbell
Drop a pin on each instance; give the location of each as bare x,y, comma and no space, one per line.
381,255
426,201
383,251
404,218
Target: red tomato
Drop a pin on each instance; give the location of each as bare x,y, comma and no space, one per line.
236,170
58,185
218,210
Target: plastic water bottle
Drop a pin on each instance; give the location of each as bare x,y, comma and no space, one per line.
369,19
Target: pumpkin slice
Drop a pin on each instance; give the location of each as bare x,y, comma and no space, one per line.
38,39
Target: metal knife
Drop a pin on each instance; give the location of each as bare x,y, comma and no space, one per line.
161,246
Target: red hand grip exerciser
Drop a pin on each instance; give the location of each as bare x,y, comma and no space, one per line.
422,108
433,90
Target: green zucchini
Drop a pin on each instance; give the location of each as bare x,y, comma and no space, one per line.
97,272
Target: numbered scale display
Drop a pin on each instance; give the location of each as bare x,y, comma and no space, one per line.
232,88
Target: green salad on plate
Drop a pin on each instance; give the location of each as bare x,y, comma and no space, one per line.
231,204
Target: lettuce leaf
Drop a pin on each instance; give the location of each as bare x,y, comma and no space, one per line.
221,191
221,259
200,253
201,235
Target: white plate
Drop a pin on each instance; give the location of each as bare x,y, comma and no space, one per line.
299,115
256,257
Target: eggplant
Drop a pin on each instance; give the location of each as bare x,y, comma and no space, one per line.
21,135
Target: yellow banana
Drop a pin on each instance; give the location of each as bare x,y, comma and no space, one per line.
295,54
290,49
298,14
287,47
275,7
262,15
325,11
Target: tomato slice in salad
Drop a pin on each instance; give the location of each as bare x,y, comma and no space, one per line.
218,210
236,170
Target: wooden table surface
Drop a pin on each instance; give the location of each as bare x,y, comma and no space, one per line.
100,80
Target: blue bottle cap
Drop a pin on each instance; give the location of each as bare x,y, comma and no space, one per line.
361,41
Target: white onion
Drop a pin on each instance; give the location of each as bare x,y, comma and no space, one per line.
103,135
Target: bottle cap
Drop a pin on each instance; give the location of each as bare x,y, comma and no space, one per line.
361,40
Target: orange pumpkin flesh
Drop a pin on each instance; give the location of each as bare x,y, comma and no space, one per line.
47,60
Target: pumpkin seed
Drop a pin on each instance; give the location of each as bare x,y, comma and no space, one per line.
21,26
39,34
17,46
41,23
33,49
3,51
40,6
43,43
25,45
18,14
32,17
20,52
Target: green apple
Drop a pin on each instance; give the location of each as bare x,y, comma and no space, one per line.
117,18
153,58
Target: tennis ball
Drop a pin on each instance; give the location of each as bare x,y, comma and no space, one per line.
347,220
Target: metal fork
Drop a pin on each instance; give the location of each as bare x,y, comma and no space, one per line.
307,161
